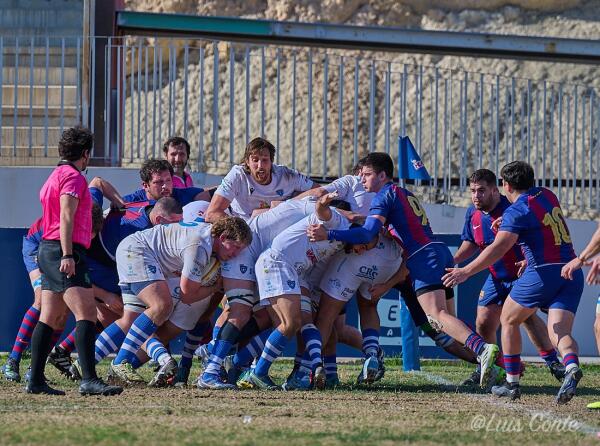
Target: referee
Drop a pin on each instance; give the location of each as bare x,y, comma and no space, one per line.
67,232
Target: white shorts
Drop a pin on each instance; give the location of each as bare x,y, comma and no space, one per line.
136,263
348,273
185,316
275,276
133,303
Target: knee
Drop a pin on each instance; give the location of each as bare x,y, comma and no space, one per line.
290,327
239,315
161,311
597,326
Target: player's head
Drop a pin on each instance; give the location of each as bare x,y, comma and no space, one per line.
517,177
166,210
97,219
377,170
75,144
231,235
357,167
360,248
177,152
258,160
484,191
157,178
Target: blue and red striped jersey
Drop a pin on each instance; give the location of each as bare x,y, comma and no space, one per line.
478,230
537,218
404,212
35,231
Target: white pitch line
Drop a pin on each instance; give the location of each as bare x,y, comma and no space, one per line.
579,425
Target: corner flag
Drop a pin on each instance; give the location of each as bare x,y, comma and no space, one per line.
410,166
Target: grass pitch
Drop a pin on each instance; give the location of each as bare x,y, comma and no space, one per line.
423,408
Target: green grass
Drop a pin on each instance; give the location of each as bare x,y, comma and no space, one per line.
403,408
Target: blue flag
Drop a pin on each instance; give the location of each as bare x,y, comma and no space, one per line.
410,166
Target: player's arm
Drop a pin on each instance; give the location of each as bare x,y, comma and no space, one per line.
109,191
192,291
316,191
380,289
590,251
502,243
362,234
216,208
465,251
322,208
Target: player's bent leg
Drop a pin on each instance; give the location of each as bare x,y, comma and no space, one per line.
287,309
513,315
560,326
347,334
538,333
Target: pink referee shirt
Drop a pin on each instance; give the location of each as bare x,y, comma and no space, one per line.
181,183
68,180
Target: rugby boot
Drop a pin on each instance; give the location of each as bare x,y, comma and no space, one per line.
558,370
124,374
10,370
42,389
497,377
232,371
298,381
369,371
472,380
486,360
243,381
182,377
60,359
75,370
319,378
96,386
569,386
212,381
164,373
509,390
262,382
381,371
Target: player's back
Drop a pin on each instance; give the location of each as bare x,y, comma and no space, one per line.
405,213
171,242
266,226
537,217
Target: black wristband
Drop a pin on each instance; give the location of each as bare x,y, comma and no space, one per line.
68,256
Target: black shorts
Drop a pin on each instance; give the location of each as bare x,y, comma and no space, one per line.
49,256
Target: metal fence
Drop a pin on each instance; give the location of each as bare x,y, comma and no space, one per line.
324,109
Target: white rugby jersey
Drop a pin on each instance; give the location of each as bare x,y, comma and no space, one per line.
268,225
246,195
182,249
299,251
350,189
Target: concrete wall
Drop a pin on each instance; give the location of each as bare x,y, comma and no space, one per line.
20,207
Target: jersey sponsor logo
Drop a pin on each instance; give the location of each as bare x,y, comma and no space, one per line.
176,293
251,190
476,227
291,284
243,268
225,266
279,192
347,292
368,272
151,269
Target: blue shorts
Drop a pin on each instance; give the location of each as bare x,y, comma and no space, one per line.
30,251
543,287
494,291
428,265
104,276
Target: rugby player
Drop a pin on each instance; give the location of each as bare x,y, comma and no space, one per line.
478,232
281,272
145,260
426,257
535,221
